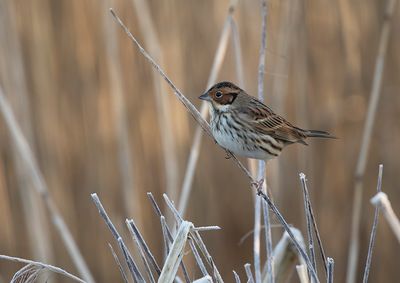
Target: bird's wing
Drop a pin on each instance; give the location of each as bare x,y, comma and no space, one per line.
265,121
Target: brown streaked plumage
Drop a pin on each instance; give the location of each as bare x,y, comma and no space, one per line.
247,127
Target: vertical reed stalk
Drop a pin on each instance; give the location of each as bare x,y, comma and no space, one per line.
120,116
164,110
13,73
365,142
37,181
195,149
261,167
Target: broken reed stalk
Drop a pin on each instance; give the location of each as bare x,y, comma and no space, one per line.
141,243
302,273
299,249
330,263
205,279
237,278
195,149
142,249
261,174
308,221
133,268
167,235
118,101
285,257
312,218
374,229
121,269
268,243
198,259
195,235
381,200
366,140
175,255
38,232
196,115
250,278
42,265
39,184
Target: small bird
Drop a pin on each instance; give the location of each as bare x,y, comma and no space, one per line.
245,126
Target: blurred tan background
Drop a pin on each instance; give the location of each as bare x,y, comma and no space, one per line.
86,101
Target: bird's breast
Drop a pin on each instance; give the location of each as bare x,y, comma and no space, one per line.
241,140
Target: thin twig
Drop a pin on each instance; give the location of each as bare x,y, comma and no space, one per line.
42,265
314,223
319,241
167,237
198,259
133,228
237,278
330,263
374,229
128,257
268,240
300,250
250,278
366,140
38,183
144,253
207,228
261,167
135,272
308,220
285,257
189,106
121,269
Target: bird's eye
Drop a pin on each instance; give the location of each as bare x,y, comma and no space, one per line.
218,94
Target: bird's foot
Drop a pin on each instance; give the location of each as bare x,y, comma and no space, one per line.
228,154
258,185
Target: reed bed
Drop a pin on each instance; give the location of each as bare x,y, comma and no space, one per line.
88,115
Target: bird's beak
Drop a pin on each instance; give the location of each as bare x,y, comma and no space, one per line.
205,96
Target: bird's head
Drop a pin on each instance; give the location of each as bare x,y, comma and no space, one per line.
222,95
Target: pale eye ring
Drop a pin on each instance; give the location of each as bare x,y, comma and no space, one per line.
218,94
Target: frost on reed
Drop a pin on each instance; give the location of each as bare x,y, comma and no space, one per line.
187,235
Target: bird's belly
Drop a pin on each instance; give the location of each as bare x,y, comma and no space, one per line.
239,146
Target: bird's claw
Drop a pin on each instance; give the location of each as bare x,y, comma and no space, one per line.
258,185
228,155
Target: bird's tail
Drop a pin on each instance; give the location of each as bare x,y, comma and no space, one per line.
319,134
